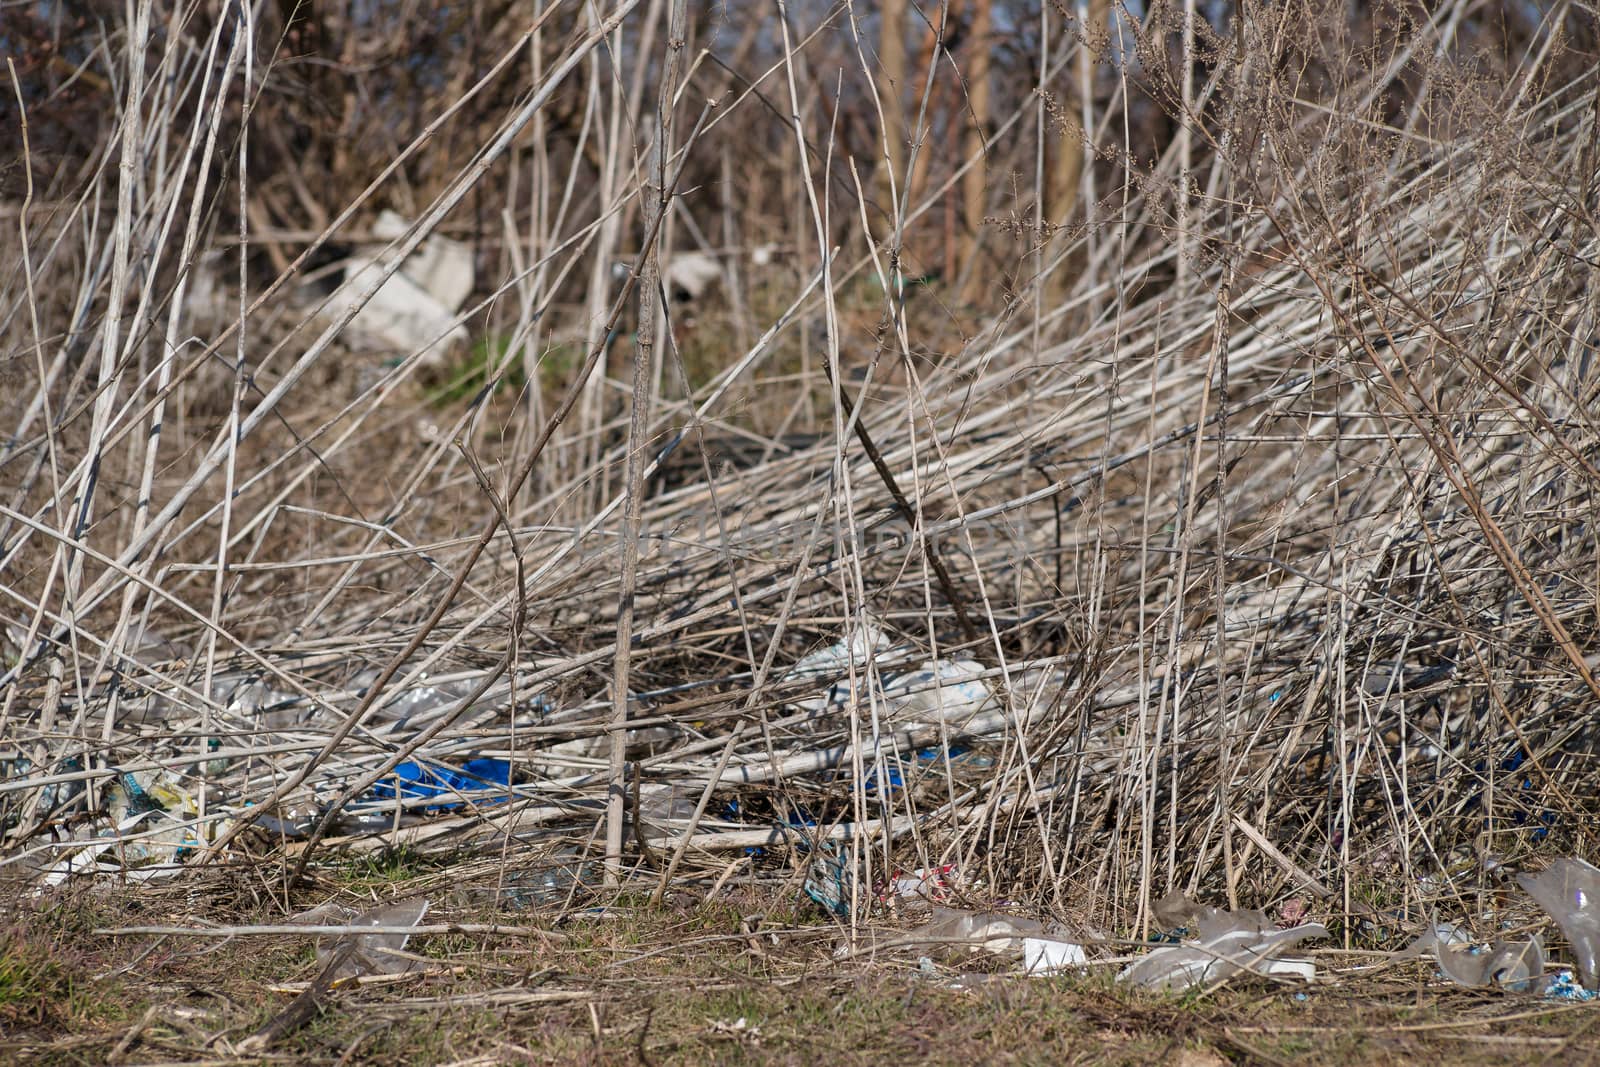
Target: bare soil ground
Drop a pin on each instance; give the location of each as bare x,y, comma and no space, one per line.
746,978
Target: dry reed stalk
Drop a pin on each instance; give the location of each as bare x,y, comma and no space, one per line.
1271,531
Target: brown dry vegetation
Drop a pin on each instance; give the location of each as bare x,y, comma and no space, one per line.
1238,379
651,984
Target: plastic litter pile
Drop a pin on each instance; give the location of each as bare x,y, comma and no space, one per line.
1205,946
510,760
1569,892
936,721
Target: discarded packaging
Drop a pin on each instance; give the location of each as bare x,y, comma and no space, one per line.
1570,891
138,791
829,880
164,838
949,691
418,303
413,779
685,275
954,934
419,700
835,663
978,931
1513,965
1435,936
1043,956
564,873
924,883
1227,943
1175,912
99,857
1562,986
364,954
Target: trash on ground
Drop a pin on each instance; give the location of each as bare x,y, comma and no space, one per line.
143,846
359,955
413,779
949,691
416,307
406,707
924,883
1176,912
836,662
829,880
563,873
739,1029
1439,934
686,276
1224,944
133,792
343,957
1512,965
956,934
1562,986
153,829
1042,956
957,930
1569,890
149,647
665,809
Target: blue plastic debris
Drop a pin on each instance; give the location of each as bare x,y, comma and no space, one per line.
1528,811
412,779
139,801
958,754
1562,986
828,880
893,777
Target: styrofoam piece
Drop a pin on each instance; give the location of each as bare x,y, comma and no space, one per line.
401,316
685,275
691,273
1304,970
1044,956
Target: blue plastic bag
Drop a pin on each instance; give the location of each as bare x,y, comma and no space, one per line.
413,779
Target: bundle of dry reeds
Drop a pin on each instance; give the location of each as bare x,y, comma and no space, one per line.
1242,453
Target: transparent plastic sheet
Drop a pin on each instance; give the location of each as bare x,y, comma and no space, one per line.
364,954
978,931
1569,890
1225,944
1513,965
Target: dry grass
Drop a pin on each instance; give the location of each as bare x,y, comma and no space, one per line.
648,984
1246,441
